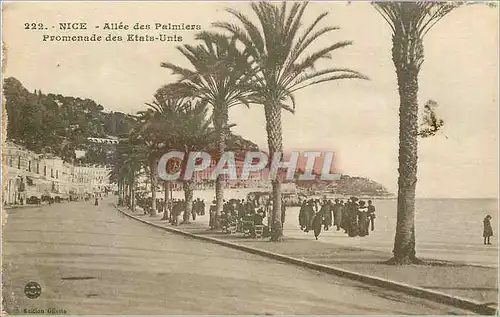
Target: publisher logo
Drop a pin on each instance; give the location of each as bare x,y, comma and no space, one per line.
32,290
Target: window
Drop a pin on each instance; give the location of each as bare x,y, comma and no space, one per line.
37,168
52,172
18,162
45,171
57,174
29,166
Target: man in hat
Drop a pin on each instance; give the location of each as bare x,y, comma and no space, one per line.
326,212
302,215
337,214
371,214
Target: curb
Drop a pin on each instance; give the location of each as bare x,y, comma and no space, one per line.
438,297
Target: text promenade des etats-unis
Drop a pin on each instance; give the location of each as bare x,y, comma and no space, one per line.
113,31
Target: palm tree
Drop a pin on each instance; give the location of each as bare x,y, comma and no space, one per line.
154,133
220,78
189,130
409,22
129,159
278,52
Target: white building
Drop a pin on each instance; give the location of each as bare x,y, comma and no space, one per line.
31,174
23,174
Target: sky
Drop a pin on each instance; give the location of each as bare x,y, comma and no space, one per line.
357,119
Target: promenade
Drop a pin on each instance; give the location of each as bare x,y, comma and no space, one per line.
448,230
94,260
474,282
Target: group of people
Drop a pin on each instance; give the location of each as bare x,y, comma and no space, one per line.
172,209
354,216
244,215
178,207
96,198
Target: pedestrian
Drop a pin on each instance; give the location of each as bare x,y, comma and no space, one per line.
326,212
316,223
363,219
309,215
212,210
96,201
193,210
345,215
302,215
353,226
371,214
202,207
337,214
488,230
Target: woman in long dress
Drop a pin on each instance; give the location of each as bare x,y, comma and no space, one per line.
363,219
308,216
316,223
353,227
488,230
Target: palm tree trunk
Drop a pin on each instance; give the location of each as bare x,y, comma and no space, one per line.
119,193
274,141
124,190
188,198
407,57
132,194
153,178
166,187
221,118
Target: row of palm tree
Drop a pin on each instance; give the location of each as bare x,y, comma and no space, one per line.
264,60
261,63
169,123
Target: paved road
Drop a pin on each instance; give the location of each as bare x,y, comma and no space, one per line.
93,260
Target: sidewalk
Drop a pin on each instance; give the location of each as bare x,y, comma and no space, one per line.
466,281
7,207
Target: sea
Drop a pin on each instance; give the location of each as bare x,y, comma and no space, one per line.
445,229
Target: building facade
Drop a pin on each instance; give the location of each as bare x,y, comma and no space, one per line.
31,174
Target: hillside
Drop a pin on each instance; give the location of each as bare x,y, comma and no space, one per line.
347,186
49,123
57,124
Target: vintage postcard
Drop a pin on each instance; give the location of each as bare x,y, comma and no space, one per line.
249,158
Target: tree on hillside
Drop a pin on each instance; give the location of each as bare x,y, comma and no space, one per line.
57,124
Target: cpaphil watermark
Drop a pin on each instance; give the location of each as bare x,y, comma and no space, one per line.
176,165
